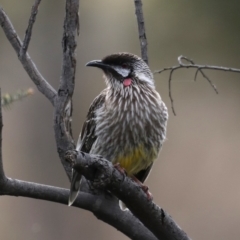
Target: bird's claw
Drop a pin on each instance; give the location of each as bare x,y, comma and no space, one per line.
143,187
146,190
120,169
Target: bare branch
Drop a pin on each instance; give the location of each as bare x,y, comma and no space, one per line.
199,68
141,29
170,91
43,86
104,209
63,103
2,175
104,175
28,33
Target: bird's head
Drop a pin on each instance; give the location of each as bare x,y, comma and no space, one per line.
124,70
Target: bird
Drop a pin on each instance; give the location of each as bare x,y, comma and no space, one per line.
126,123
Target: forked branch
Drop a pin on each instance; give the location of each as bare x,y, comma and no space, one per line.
42,84
199,68
63,103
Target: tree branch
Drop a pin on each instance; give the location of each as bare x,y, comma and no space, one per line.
2,175
199,68
43,86
104,205
141,29
63,103
104,209
28,34
104,175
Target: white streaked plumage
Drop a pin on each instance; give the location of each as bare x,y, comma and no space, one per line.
126,124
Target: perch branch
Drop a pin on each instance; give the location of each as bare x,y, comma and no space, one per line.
141,29
104,175
43,86
102,208
63,103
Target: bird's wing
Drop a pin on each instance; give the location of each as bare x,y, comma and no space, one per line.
85,142
87,136
143,174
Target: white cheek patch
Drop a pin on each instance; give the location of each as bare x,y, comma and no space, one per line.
122,71
144,78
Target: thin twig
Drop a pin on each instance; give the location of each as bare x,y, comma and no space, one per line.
2,175
43,86
210,82
199,68
28,33
141,30
170,92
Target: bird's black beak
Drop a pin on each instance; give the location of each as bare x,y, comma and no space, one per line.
98,63
105,67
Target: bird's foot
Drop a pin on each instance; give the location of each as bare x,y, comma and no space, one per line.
146,190
143,187
120,169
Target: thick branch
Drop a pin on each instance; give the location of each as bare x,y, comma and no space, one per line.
43,86
141,30
104,175
63,104
191,64
104,209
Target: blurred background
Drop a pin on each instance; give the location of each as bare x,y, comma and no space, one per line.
196,179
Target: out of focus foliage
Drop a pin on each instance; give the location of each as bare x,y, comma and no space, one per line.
8,99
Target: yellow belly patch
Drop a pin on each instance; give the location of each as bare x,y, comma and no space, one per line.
136,160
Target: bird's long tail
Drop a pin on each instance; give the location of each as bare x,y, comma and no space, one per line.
75,186
122,206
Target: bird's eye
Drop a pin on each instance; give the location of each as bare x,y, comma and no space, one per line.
124,65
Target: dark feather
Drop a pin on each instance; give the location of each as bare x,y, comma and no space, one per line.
88,137
85,142
143,174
